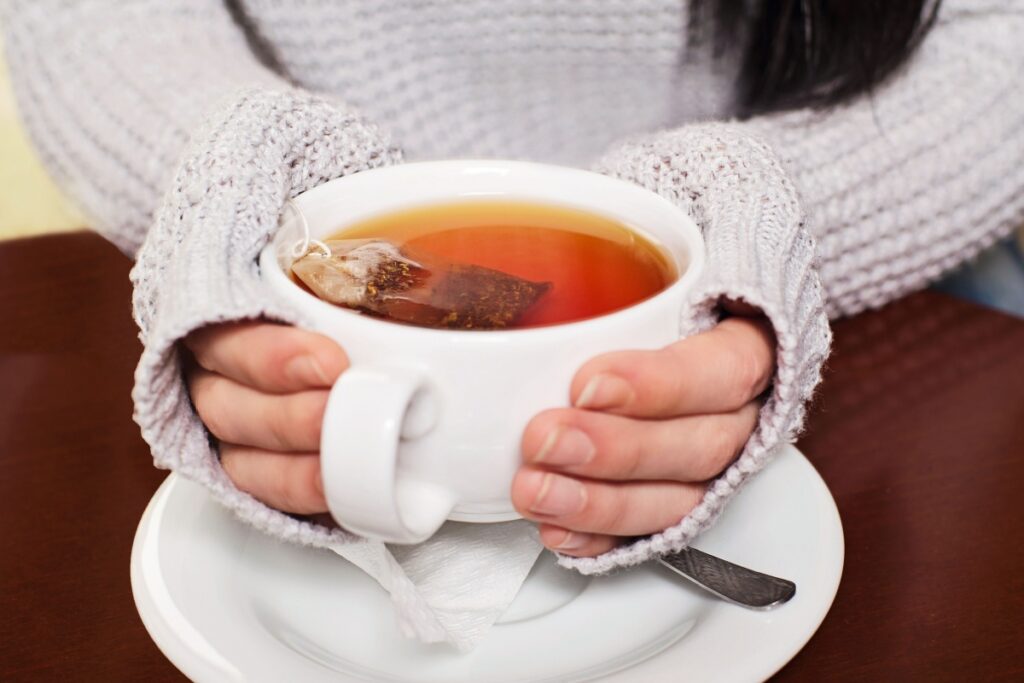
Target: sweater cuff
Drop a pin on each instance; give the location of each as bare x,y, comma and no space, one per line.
759,251
199,266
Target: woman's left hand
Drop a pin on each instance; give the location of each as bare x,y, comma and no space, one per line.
647,431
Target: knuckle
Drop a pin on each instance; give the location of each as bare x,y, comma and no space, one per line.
206,342
739,442
277,344
298,491
210,409
280,422
272,357
238,466
722,440
721,447
311,419
306,496
749,417
229,462
668,370
283,493
632,458
296,420
749,375
286,421
215,423
687,502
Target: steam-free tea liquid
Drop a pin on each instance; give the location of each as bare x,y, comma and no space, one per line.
593,265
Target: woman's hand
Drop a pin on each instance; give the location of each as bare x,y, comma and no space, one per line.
261,389
647,431
631,458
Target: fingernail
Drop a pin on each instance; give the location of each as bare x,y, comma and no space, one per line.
565,446
605,391
559,496
572,541
307,370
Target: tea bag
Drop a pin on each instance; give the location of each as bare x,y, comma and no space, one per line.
377,277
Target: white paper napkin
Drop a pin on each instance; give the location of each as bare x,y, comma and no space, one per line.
454,586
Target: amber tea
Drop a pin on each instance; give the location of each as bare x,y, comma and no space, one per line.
486,265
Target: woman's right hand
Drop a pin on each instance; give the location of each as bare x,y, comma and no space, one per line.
261,389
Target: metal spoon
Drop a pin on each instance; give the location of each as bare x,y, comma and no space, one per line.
731,582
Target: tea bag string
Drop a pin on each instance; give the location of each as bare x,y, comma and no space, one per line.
305,244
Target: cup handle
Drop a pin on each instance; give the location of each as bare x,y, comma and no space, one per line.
367,416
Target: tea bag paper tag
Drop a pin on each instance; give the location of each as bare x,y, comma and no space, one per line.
453,587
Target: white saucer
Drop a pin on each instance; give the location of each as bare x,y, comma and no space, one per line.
226,603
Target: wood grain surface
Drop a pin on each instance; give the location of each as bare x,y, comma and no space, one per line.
918,431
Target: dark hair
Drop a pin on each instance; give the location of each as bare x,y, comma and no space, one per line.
816,53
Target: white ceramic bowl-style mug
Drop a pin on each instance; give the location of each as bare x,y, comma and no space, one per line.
426,423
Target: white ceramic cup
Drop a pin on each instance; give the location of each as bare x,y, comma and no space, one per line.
426,424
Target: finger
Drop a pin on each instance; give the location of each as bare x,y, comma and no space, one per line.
617,509
266,356
237,414
717,371
576,543
289,482
602,446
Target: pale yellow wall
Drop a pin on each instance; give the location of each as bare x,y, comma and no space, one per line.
30,204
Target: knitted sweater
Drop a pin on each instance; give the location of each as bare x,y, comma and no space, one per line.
181,127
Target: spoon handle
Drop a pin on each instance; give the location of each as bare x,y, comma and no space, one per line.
731,582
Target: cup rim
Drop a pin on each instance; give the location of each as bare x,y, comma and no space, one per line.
274,274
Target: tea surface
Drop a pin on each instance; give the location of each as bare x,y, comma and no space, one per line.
592,264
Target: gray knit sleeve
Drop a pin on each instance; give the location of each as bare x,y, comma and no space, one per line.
898,187
758,251
198,264
182,148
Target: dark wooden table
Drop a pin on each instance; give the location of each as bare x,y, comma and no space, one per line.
918,430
